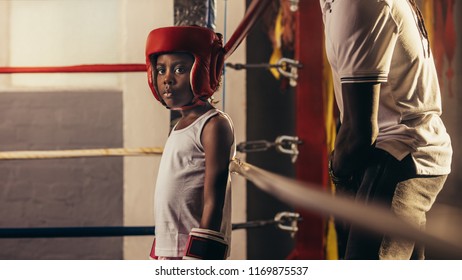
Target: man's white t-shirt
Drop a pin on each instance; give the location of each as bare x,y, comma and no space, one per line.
380,41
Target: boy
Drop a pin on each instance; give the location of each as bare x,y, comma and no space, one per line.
192,197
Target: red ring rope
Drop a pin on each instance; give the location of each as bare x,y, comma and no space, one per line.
254,11
87,68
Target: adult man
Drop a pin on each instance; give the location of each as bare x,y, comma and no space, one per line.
392,146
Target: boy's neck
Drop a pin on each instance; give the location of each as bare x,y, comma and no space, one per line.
189,116
196,111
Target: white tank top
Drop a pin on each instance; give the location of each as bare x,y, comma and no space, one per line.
178,201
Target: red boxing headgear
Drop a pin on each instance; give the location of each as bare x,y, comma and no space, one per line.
205,45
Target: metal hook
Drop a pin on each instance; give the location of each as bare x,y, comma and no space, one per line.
283,141
293,66
288,217
293,5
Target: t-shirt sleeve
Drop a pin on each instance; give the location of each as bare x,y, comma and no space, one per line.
362,35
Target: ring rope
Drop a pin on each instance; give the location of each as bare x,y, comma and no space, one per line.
84,68
62,232
80,153
313,197
254,12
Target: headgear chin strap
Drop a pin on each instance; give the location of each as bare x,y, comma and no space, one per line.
207,48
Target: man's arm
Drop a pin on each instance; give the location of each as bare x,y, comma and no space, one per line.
359,129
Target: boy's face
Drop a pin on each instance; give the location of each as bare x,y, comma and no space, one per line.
173,78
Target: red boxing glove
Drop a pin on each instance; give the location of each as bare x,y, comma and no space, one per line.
206,244
152,255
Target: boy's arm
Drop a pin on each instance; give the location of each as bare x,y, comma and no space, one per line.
217,139
206,242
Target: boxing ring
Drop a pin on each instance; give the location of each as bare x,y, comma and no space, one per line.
300,195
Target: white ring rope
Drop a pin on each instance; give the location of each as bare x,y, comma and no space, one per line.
312,197
80,153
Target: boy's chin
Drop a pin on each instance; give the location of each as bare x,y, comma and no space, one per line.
174,106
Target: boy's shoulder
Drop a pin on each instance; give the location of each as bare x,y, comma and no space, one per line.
219,123
220,117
